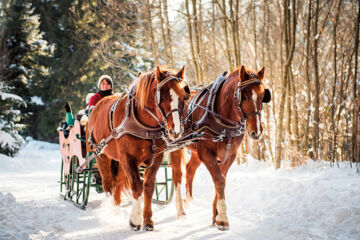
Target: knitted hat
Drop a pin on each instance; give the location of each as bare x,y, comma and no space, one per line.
108,79
88,96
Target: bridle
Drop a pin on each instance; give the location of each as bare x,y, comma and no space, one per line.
164,116
237,94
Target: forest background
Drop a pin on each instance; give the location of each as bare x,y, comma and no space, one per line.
53,51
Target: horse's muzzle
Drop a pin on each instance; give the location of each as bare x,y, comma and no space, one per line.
174,136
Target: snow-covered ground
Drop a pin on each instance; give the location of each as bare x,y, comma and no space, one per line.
313,201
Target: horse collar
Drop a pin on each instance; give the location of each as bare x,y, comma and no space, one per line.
131,125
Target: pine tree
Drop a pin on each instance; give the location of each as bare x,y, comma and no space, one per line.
10,115
90,38
26,51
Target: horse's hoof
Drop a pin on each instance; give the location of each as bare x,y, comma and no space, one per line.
149,227
181,214
134,227
222,226
187,201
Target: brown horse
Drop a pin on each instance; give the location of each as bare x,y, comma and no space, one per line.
141,122
223,113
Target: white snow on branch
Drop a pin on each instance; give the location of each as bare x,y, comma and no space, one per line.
37,100
4,96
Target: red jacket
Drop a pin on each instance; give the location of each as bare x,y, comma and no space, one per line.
94,99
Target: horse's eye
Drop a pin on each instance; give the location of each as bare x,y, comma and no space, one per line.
243,98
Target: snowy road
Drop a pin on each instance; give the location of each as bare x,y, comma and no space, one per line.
311,202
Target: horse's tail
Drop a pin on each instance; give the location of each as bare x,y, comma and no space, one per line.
114,169
119,176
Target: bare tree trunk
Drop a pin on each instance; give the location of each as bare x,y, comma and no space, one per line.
316,129
295,122
254,32
355,106
308,83
233,33
169,45
191,41
238,42
289,118
213,39
333,144
197,41
268,112
203,59
153,43
224,22
163,34
289,58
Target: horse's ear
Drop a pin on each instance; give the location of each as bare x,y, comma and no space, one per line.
242,73
159,74
181,73
261,73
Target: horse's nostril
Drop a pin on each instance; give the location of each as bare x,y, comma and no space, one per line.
171,132
253,134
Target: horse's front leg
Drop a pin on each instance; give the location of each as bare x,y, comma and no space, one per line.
131,169
220,217
176,162
149,187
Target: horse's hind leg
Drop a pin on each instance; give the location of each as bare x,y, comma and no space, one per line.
191,168
176,161
104,166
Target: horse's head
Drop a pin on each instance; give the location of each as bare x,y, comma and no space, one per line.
171,93
164,92
251,94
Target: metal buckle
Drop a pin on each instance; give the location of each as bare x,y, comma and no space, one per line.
153,148
228,146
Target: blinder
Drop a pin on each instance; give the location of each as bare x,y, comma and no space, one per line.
238,97
267,96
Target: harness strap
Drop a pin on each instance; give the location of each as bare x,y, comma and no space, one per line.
153,153
218,115
228,147
112,110
146,109
99,149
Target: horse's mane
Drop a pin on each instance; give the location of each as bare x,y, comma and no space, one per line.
143,87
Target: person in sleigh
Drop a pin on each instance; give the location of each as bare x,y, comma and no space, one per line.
105,85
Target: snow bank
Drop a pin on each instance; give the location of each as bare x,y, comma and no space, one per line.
313,201
35,156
